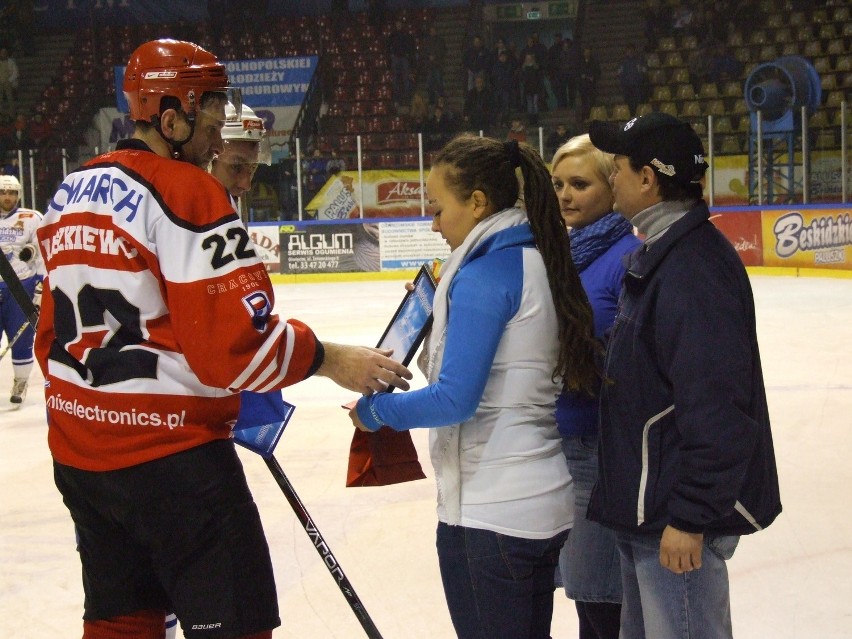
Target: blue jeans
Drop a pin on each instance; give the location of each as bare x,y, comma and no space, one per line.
497,586
658,604
588,564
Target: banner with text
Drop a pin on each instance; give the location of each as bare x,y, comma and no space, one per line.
347,247
387,194
812,238
273,87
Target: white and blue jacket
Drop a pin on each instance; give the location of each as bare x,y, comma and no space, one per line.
498,459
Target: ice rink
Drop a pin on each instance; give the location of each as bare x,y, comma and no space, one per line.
792,581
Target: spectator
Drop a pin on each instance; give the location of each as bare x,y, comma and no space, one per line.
589,566
537,49
531,77
590,71
334,165
476,60
418,111
479,107
435,45
508,292
7,131
723,65
686,454
376,13
517,131
40,128
439,128
434,75
504,82
632,74
559,136
402,48
448,111
557,70
313,172
20,136
8,82
339,14
571,62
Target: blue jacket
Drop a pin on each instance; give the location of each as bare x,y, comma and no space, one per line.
685,436
577,413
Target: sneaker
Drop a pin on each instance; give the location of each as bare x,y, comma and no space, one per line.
19,391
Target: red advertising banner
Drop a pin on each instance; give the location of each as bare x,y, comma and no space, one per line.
744,231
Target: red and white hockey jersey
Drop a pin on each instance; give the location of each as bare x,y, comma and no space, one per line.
156,312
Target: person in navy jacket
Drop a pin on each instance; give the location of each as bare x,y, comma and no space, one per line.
686,456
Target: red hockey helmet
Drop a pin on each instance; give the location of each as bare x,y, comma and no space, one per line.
173,68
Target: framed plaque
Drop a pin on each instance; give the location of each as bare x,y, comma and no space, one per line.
410,323
412,320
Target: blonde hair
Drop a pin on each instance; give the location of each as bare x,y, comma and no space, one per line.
581,145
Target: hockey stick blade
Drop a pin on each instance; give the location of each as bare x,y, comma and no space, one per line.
322,548
18,291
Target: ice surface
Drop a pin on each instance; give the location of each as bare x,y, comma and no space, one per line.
790,581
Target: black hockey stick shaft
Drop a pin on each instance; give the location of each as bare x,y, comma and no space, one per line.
18,291
322,548
17,336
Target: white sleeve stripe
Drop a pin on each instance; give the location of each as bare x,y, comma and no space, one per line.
288,354
259,356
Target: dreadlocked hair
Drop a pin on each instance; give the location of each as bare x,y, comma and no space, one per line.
488,165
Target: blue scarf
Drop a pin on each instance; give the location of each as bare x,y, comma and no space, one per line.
590,242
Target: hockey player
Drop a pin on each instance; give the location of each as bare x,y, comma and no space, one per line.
157,311
18,243
245,146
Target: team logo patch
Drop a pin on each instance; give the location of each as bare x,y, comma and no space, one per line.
259,308
665,169
630,124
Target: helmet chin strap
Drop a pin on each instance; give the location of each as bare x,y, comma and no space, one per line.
177,145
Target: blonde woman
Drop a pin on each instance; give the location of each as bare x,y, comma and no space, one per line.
589,564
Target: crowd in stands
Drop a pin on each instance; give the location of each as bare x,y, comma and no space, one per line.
505,80
507,85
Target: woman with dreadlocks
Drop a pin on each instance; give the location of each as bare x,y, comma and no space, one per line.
512,327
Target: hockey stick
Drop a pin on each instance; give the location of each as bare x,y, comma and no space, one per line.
18,291
322,548
17,336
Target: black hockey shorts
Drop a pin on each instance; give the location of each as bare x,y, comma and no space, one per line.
178,534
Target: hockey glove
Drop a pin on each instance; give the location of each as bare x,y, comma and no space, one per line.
27,252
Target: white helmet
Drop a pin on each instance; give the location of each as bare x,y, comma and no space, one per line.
10,183
247,128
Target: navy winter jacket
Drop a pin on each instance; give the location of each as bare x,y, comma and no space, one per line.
685,436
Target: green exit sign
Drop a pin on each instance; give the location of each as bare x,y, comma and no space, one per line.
562,9
508,11
535,14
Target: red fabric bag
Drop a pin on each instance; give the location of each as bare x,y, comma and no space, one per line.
381,458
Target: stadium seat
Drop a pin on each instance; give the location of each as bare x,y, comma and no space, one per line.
621,113
662,93
835,47
709,90
691,109
598,112
684,92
